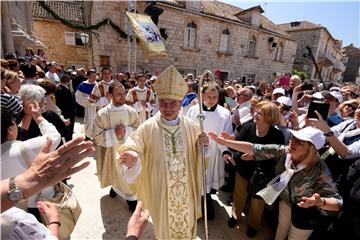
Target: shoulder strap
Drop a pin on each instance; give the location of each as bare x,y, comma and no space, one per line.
23,153
102,89
27,161
148,94
134,95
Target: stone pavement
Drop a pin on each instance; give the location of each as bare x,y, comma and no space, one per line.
105,218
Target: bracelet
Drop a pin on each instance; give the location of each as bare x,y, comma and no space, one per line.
54,222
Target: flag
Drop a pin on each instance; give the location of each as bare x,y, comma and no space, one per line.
148,33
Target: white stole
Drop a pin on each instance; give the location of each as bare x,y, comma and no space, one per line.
279,183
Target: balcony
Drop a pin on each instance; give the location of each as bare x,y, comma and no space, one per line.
326,59
338,67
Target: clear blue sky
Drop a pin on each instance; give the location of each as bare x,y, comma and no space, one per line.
341,18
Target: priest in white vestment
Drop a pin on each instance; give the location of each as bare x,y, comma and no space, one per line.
162,161
218,119
112,125
100,93
141,98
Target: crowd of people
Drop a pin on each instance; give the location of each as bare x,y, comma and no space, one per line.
287,148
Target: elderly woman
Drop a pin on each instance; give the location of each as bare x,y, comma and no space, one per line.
302,180
253,176
16,156
37,93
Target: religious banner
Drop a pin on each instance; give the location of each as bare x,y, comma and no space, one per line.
149,35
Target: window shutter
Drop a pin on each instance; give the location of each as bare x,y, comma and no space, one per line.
70,38
192,37
224,42
251,50
186,37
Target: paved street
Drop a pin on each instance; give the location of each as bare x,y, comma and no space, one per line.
106,218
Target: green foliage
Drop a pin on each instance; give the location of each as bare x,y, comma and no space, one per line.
83,27
301,74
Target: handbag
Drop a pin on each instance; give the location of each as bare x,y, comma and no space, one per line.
68,207
64,200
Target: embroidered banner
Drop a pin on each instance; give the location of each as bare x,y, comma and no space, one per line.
149,35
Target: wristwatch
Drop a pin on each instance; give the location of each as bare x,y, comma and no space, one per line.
15,194
329,134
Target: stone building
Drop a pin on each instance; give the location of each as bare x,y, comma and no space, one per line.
326,50
199,35
16,28
64,43
204,35
352,72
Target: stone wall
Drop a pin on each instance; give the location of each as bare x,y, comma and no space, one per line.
52,34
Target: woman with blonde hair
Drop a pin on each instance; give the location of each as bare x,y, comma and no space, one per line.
303,181
253,176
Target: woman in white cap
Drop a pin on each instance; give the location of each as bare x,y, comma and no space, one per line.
302,180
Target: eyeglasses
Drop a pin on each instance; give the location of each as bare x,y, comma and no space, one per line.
297,141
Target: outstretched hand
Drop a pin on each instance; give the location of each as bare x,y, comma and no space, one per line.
49,168
137,221
314,200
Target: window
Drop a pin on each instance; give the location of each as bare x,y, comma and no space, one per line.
252,47
248,78
224,76
279,52
104,61
190,35
224,41
73,39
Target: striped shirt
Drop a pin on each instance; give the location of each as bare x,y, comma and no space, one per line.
11,103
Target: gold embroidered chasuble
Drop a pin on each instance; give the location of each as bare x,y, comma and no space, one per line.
108,118
169,183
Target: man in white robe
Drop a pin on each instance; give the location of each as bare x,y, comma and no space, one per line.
82,97
100,93
141,98
112,125
218,119
161,160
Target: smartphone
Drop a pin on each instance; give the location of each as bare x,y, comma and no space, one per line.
307,86
322,108
286,108
284,81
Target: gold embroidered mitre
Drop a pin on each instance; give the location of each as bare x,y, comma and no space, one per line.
170,84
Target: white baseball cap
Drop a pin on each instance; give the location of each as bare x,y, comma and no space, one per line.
310,134
279,90
284,100
332,89
335,94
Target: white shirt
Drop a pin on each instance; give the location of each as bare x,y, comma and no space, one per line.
13,161
16,224
53,76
